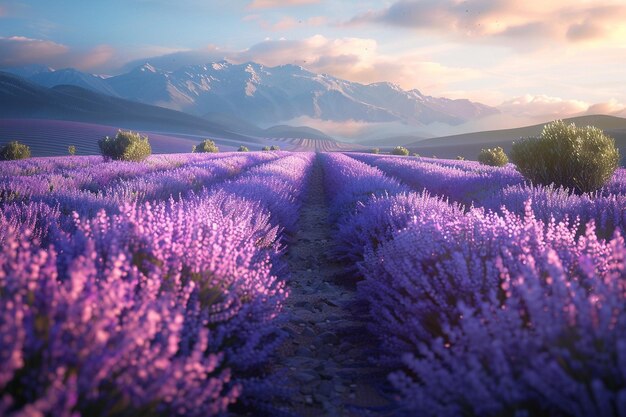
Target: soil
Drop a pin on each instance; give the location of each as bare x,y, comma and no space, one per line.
326,355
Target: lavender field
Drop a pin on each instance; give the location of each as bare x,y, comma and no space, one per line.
307,284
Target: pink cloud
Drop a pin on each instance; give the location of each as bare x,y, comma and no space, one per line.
542,106
285,23
613,107
511,21
94,58
19,50
355,59
266,4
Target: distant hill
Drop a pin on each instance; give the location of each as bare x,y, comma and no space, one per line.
52,137
22,99
278,131
70,76
286,131
392,141
470,144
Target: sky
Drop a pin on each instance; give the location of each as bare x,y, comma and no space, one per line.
530,58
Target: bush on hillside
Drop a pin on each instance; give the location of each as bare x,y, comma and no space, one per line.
243,149
71,150
14,150
206,145
275,148
125,146
579,158
375,151
266,149
460,158
400,150
494,157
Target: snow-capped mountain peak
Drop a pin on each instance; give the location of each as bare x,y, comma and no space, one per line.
270,95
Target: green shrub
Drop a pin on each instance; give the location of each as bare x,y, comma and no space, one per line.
275,148
460,158
416,155
375,150
579,158
14,150
126,146
206,145
71,150
243,149
494,157
266,148
400,150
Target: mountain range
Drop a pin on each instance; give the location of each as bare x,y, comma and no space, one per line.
266,95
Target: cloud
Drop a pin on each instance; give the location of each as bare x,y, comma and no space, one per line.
542,105
546,107
18,50
171,60
3,11
507,21
285,23
612,107
266,4
355,59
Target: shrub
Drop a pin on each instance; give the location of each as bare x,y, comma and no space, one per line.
14,150
206,145
266,148
243,149
579,158
460,158
494,157
375,150
415,154
275,148
126,146
400,150
71,150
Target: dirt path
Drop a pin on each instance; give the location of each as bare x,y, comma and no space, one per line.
325,356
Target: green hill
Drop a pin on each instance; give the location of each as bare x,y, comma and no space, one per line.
470,144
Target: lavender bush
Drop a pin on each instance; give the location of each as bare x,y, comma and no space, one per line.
155,305
493,315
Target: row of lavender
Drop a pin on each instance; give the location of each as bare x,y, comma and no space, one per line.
482,313
495,188
148,298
